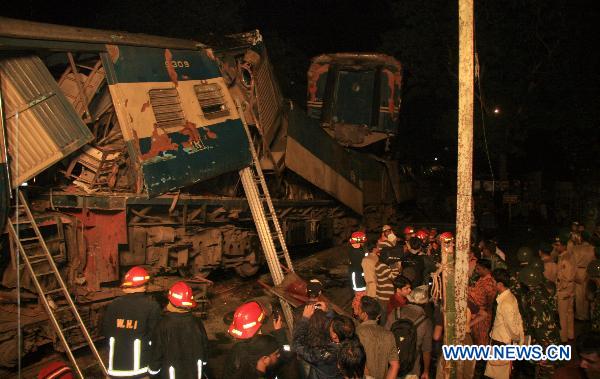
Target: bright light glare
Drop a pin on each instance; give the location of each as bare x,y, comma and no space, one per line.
496,110
435,159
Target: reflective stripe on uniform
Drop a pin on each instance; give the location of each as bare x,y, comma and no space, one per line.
199,363
171,372
137,352
111,352
153,372
354,286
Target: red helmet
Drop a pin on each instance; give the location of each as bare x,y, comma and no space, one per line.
56,370
409,230
135,277
422,234
247,320
446,237
358,237
180,295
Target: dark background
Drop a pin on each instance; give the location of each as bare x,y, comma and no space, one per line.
538,63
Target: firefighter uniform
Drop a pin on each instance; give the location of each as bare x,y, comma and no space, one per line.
179,347
128,324
179,342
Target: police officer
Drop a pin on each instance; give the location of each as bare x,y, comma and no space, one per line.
565,287
540,320
583,254
128,324
593,271
179,343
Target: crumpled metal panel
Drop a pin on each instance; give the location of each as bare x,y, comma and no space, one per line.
42,126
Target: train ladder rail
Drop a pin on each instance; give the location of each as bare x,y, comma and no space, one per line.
50,298
265,219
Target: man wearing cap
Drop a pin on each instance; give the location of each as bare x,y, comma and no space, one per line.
565,287
583,254
388,243
128,325
414,312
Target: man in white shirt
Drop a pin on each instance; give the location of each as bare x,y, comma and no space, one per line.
508,325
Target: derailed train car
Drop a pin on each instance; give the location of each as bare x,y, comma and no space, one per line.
128,148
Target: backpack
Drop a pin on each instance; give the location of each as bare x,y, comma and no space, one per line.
405,334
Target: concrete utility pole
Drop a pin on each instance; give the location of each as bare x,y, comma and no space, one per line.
456,275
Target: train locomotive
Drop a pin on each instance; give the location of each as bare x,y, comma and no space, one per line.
128,147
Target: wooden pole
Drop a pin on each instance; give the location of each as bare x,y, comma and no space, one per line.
456,275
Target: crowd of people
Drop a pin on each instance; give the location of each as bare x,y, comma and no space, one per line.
397,324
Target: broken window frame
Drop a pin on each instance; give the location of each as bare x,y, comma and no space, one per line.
212,102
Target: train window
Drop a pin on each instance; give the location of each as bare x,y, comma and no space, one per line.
166,107
211,100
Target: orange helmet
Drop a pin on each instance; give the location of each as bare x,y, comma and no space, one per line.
247,320
180,295
137,276
446,237
422,234
409,230
358,237
56,370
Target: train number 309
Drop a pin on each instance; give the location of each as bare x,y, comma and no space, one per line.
178,63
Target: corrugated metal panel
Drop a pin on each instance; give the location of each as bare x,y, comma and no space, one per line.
269,99
42,126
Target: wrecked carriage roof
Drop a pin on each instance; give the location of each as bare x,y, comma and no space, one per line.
29,30
360,59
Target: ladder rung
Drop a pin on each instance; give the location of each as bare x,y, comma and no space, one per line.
61,309
53,291
77,347
36,256
69,328
29,239
38,261
26,221
45,273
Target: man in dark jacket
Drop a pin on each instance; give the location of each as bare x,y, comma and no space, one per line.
179,343
128,324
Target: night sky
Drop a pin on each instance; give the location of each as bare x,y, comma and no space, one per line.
538,62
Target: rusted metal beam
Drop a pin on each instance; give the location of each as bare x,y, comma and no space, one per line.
50,32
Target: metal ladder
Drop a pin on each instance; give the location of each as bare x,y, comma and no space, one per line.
56,301
265,219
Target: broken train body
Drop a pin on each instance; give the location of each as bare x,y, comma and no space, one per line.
130,146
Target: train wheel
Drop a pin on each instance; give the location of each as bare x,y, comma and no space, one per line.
250,267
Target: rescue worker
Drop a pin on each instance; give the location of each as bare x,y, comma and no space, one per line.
248,320
583,254
128,325
356,253
56,370
179,342
540,321
593,271
408,233
388,243
565,288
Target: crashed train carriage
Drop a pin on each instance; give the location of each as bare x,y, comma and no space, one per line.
128,148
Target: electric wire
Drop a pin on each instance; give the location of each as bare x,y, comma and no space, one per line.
482,108
17,252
